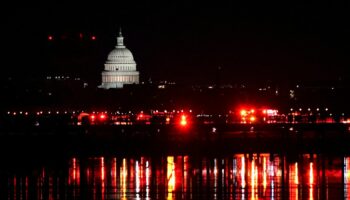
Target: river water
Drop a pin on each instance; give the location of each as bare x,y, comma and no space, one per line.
230,176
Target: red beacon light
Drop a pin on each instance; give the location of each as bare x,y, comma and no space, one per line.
183,121
247,116
102,116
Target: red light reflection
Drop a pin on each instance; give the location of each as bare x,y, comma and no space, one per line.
74,173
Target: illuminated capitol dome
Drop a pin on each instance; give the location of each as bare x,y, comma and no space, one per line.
120,67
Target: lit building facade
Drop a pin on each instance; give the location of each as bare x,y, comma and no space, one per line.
120,67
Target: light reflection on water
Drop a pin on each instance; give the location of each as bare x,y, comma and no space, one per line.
239,176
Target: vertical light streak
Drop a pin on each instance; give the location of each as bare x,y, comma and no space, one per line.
147,179
27,188
296,175
137,176
124,174
264,174
243,172
346,176
254,179
311,173
102,160
252,174
311,181
185,160
272,174
74,169
272,190
114,175
102,168
293,181
171,174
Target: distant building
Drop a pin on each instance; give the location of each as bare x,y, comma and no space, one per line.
120,67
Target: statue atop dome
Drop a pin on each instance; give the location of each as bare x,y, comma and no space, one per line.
120,39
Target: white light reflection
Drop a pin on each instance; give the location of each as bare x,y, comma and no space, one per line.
272,174
147,179
243,172
215,175
272,190
346,177
137,176
137,179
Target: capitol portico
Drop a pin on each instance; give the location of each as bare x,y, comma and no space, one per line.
120,67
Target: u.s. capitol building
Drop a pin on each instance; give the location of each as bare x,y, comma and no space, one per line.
120,67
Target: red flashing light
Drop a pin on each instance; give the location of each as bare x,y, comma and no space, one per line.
50,37
93,117
243,112
103,116
183,121
93,37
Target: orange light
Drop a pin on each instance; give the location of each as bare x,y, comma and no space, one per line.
252,118
243,112
252,110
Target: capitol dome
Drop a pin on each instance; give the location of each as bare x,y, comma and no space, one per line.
120,67
120,55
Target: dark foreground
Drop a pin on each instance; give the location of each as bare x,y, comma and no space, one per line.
274,161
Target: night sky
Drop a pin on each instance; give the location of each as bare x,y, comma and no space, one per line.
181,41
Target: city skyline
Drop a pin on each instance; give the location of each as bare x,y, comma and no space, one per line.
185,43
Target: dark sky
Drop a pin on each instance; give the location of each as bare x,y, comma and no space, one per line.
182,41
